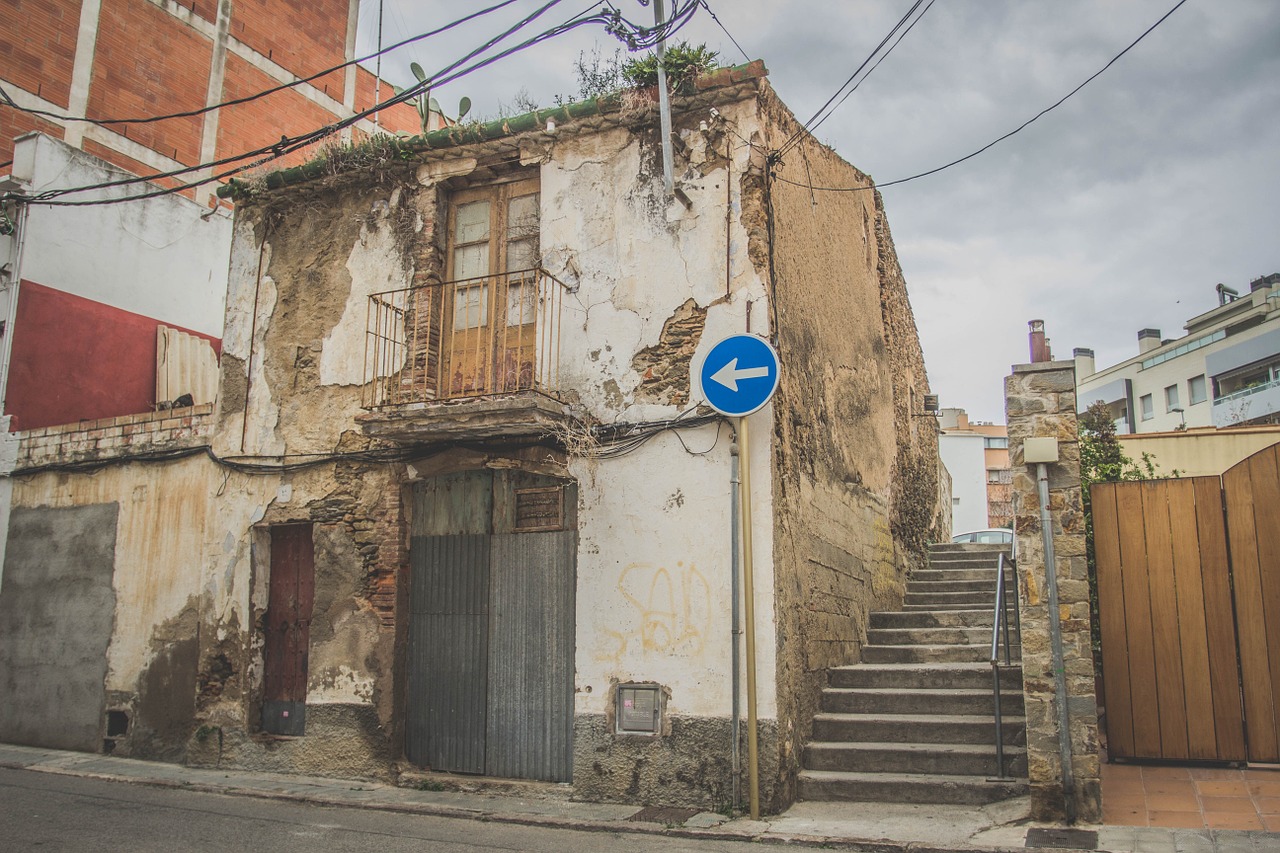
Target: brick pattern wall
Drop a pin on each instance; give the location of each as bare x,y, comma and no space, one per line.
149,60
112,438
149,63
38,46
1040,401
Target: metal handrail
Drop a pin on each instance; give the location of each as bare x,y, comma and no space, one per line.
1000,618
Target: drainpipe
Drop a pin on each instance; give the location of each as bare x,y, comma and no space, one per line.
1055,641
664,101
736,628
15,279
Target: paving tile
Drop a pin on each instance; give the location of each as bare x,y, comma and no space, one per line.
1187,802
1271,822
1187,841
1267,805
1172,786
1124,815
1189,820
1258,774
1121,771
1232,820
1166,773
1222,789
1215,773
1264,789
1228,804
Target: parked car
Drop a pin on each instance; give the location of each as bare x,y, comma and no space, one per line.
990,536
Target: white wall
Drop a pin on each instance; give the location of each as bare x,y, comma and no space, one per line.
164,258
966,461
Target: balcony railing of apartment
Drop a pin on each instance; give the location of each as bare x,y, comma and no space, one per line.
1247,391
475,337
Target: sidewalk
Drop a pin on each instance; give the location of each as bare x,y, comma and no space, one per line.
869,827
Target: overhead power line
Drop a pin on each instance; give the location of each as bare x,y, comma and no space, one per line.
615,24
104,122
716,18
999,139
820,116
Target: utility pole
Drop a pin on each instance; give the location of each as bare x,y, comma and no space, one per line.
664,99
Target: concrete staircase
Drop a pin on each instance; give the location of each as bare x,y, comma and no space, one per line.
914,723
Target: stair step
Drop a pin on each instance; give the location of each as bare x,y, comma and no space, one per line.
916,653
957,605
953,618
963,636
905,788
974,598
905,700
918,728
950,759
981,585
925,676
938,573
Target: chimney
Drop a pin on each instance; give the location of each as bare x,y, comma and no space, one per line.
1084,362
1039,346
1148,339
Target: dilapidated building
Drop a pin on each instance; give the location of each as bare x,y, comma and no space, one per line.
458,506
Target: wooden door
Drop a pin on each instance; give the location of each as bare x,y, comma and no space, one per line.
1168,634
491,309
1252,490
291,591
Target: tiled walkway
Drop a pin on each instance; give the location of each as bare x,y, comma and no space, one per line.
1191,797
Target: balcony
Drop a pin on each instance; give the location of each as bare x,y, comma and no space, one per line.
475,358
1256,400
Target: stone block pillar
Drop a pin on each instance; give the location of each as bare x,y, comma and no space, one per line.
1040,401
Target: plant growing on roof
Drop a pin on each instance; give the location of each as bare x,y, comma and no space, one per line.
426,105
683,62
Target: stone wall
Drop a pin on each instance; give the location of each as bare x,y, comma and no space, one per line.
1040,401
855,471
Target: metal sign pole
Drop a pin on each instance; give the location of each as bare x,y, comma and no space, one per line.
749,614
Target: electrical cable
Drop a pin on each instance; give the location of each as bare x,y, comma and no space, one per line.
998,140
716,18
804,128
247,98
287,145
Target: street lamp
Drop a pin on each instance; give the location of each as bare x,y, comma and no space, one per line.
1182,413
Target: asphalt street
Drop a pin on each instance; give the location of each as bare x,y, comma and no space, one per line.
48,812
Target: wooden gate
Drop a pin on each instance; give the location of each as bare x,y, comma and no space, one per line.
287,635
1177,645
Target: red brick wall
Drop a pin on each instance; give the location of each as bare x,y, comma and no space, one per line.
149,63
14,123
250,126
400,117
303,37
38,46
207,9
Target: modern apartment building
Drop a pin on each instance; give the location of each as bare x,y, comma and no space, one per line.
977,456
1223,372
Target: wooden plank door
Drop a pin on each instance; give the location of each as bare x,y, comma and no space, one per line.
291,592
1253,522
1168,648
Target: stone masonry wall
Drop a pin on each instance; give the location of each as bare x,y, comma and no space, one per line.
1040,401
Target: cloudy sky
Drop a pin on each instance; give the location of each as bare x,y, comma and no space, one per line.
1120,210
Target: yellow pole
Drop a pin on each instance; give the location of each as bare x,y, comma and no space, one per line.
749,614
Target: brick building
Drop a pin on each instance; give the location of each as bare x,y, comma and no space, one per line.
95,299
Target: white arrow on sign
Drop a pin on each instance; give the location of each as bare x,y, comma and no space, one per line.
729,375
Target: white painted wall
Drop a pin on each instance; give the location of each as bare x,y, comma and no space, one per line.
164,258
965,459
654,560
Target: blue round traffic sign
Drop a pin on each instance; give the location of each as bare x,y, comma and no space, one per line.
739,375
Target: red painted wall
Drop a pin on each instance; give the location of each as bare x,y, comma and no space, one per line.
75,359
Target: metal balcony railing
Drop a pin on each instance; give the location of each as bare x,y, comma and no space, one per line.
475,337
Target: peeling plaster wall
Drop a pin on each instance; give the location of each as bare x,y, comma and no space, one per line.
302,270
159,567
855,475
650,296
